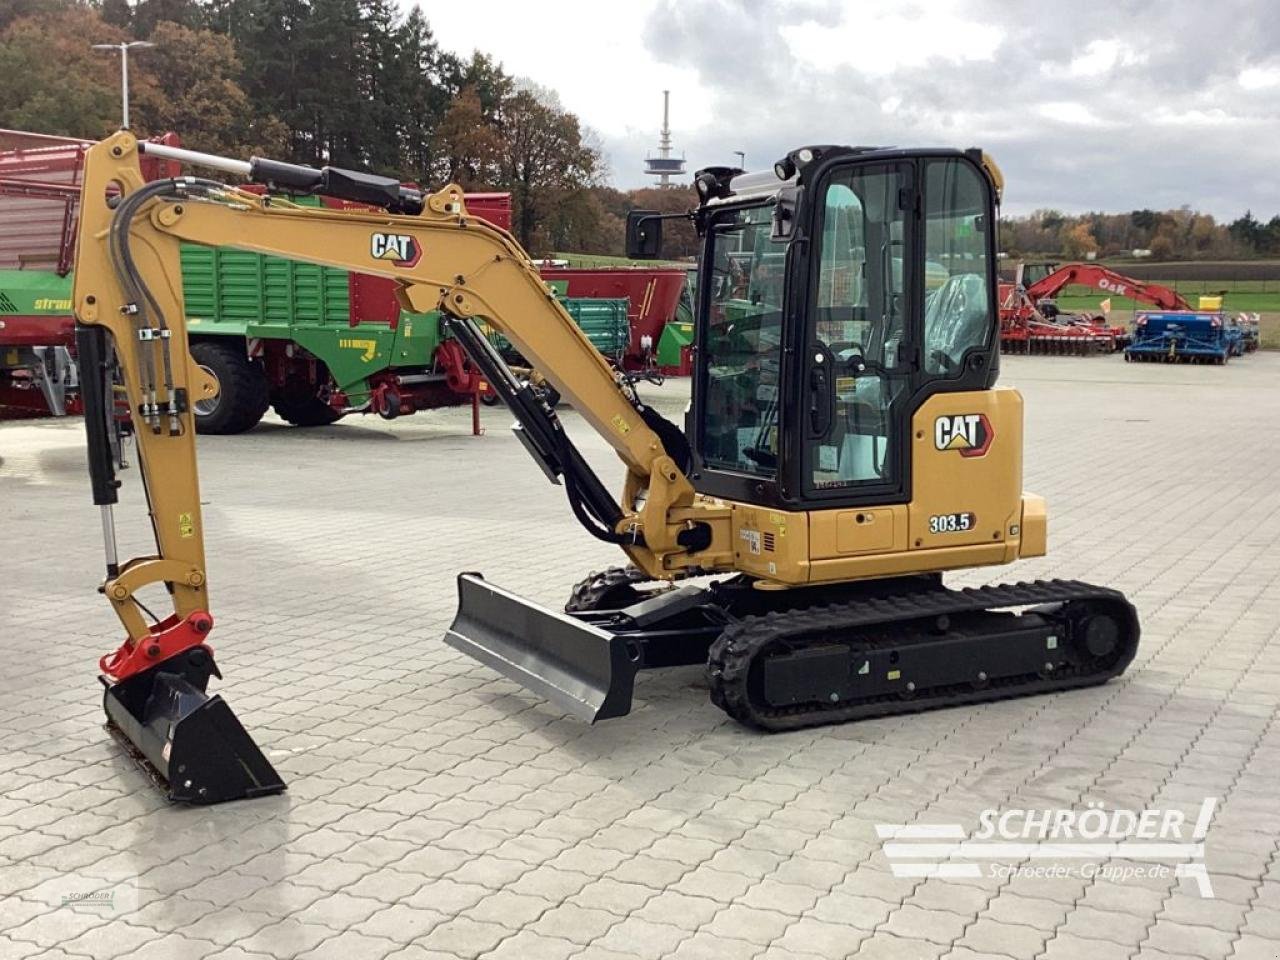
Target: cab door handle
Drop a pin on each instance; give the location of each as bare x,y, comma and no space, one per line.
821,394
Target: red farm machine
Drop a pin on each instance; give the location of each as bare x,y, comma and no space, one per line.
1031,321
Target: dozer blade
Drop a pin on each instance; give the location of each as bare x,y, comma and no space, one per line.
190,742
577,666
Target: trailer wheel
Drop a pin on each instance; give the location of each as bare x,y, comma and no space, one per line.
242,389
299,402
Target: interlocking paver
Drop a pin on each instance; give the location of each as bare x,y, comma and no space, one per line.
884,946
431,799
744,922
350,944
572,922
1065,946
640,939
1012,939
527,945
1125,928
910,922
1186,938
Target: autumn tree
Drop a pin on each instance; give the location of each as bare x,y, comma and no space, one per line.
543,157
469,147
53,82
1078,242
189,83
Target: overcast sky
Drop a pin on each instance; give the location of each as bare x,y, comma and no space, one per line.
1086,105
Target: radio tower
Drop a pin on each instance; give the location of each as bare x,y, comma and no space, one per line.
664,166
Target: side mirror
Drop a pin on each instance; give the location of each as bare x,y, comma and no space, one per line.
644,234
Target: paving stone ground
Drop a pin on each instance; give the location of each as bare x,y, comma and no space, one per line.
435,810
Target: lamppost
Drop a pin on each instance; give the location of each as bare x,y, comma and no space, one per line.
742,159
123,49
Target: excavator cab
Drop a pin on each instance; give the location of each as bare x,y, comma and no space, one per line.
818,343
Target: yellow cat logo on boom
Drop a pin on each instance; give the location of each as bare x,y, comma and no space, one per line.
970,433
400,248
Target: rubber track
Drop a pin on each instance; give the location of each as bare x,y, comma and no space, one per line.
731,656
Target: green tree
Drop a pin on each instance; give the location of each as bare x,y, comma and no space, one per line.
267,35
118,13
1247,231
420,98
148,14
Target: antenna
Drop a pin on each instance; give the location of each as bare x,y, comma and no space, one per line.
664,166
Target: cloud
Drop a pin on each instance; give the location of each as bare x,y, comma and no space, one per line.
1094,105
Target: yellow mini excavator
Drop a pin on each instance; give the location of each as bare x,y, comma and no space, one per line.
846,444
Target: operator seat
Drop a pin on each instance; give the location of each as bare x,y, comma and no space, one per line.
955,319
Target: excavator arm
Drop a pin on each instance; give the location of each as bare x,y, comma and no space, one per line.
128,301
1109,281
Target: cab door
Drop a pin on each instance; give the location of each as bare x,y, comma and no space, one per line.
857,338
898,305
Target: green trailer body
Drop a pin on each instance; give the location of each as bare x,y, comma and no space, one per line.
603,320
34,293
234,293
37,329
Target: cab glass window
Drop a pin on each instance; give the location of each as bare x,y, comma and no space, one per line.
958,309
743,344
857,372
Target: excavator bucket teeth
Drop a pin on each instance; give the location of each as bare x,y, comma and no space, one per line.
579,667
190,742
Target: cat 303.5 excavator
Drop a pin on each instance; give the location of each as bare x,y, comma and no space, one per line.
846,444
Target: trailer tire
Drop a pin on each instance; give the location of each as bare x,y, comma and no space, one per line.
242,389
299,403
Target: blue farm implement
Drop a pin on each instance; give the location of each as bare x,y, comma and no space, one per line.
1184,337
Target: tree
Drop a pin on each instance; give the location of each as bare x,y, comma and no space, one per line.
1078,242
53,82
469,146
148,14
421,97
1163,244
543,156
118,13
267,35
189,83
1247,231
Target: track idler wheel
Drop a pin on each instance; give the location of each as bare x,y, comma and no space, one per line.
1101,634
